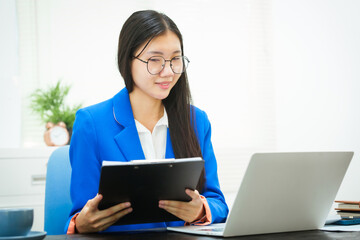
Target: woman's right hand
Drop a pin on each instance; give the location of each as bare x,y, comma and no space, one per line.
91,219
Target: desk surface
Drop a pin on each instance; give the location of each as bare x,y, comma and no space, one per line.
316,234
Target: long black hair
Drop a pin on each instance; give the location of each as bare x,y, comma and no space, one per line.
141,27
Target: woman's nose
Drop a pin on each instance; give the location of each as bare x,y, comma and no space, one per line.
167,70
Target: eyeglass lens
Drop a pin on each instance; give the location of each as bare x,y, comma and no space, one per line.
156,64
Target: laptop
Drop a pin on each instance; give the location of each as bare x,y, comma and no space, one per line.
282,192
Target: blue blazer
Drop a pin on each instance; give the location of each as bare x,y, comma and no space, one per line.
107,131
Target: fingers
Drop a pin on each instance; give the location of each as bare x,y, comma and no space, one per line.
113,210
183,210
104,223
94,203
176,208
91,219
187,211
193,194
172,205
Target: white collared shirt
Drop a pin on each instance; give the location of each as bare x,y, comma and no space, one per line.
154,144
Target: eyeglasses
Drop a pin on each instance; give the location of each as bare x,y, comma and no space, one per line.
156,64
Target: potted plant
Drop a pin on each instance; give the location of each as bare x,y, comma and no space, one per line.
49,105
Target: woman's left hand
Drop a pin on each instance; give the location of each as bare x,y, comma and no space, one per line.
187,211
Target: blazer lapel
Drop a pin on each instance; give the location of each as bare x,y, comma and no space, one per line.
127,139
169,150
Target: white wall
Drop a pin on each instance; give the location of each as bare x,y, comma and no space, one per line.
228,44
218,40
317,72
10,106
247,57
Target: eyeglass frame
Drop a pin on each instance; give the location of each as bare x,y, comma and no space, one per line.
147,63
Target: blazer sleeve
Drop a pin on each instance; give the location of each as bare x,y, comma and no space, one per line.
212,192
85,162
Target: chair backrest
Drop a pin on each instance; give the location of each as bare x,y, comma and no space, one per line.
57,191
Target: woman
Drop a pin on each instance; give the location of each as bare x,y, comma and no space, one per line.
150,118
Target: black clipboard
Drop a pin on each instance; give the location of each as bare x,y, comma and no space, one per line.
144,183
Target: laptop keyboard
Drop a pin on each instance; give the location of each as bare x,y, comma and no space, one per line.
218,229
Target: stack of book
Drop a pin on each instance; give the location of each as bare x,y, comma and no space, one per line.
349,212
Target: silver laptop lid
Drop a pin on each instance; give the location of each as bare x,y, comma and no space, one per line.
286,192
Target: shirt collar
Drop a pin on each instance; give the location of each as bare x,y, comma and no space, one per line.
163,120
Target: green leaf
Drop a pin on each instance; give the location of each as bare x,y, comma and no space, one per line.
49,105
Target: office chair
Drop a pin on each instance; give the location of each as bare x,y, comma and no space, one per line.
57,191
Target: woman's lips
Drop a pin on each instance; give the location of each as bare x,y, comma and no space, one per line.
164,85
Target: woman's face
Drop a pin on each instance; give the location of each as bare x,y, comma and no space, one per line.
157,86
